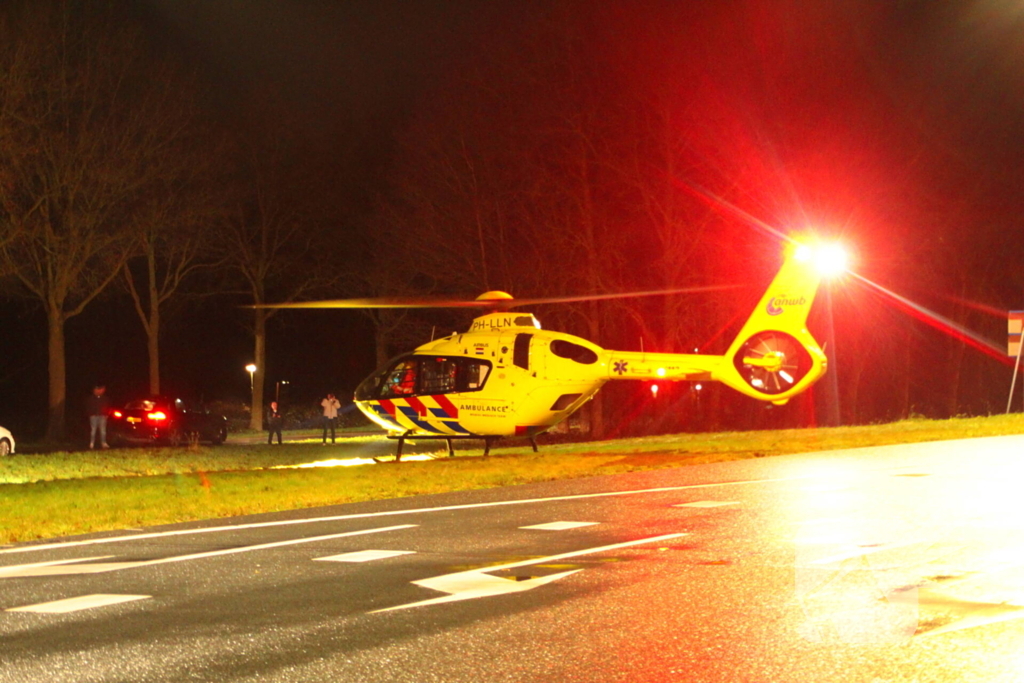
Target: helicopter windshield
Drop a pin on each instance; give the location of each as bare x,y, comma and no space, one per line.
425,375
401,381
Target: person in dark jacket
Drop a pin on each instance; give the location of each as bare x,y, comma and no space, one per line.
274,422
98,407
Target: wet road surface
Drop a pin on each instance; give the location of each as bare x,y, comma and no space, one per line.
901,563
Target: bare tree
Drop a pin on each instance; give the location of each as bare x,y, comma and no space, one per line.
440,227
270,239
508,188
375,274
173,241
87,127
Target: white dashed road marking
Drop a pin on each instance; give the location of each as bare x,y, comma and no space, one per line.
559,526
98,567
365,556
23,567
79,603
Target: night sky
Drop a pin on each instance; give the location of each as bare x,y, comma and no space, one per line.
896,126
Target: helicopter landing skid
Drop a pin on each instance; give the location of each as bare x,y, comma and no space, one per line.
448,439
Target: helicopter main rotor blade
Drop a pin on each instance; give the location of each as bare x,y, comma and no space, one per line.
621,295
384,302
491,304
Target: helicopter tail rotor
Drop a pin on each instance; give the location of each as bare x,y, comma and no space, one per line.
774,357
772,362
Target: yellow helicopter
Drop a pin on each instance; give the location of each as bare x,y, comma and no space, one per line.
505,376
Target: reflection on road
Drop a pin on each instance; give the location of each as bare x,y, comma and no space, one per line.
886,556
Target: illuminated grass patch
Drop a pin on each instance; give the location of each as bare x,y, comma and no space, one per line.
49,495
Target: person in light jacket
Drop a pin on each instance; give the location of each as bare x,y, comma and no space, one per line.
330,406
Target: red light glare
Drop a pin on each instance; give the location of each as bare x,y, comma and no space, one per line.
157,416
117,414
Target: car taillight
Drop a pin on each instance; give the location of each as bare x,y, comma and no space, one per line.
157,416
117,414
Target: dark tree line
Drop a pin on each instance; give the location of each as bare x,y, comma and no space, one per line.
575,147
113,175
605,148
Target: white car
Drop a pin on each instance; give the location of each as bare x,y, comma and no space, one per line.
6,442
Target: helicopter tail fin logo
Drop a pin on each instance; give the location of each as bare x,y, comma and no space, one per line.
774,357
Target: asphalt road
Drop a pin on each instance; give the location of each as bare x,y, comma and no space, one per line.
876,565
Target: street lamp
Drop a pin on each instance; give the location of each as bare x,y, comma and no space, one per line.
831,261
251,368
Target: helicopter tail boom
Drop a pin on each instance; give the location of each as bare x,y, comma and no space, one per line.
773,358
666,366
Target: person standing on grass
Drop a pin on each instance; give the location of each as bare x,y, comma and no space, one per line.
330,406
274,422
98,406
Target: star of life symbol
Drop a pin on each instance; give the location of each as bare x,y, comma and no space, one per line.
620,367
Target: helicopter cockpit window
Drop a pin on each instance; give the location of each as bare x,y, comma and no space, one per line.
425,375
475,374
445,374
439,375
580,354
400,380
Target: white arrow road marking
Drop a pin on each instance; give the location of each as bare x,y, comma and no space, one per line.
559,526
45,569
470,585
365,556
79,603
475,583
968,614
1005,613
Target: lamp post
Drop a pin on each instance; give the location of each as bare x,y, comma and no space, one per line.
251,369
833,414
831,261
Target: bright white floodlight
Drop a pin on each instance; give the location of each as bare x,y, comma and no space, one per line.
829,259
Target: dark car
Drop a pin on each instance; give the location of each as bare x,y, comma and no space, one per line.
159,420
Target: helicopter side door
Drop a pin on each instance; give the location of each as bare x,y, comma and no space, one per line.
564,375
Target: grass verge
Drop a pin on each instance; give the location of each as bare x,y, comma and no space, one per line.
49,495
